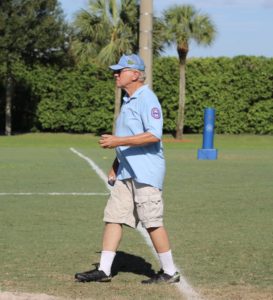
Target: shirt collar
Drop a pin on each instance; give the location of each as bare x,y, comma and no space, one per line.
126,98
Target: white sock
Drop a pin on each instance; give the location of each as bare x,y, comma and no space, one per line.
167,264
106,260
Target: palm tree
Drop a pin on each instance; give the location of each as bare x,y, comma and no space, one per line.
104,32
146,37
183,24
108,29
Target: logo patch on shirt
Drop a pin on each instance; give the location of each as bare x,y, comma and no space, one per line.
156,113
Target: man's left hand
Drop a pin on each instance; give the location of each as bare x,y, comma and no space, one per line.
108,141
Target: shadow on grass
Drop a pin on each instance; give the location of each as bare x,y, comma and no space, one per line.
125,262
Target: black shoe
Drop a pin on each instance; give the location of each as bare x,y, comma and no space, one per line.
93,275
162,277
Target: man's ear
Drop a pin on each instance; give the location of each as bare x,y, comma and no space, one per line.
136,76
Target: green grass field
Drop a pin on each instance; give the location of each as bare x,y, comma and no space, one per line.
219,215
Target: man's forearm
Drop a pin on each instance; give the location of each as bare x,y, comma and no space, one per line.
112,141
138,140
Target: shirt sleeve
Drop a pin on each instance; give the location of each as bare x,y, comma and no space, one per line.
151,114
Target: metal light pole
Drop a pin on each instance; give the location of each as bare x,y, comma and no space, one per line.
146,37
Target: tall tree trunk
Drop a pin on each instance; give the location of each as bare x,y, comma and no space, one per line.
117,107
8,109
182,98
146,38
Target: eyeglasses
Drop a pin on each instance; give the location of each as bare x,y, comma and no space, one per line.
118,72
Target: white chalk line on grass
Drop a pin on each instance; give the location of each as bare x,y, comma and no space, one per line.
93,166
183,286
53,194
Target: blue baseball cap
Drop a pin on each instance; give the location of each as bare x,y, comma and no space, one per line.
132,61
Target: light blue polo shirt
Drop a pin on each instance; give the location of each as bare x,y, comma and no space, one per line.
141,113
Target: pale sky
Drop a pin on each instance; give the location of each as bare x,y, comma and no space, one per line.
245,27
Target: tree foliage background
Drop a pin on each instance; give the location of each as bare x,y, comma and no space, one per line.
81,99
30,32
52,94
239,88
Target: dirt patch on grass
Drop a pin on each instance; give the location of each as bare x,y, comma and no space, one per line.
221,293
237,293
26,296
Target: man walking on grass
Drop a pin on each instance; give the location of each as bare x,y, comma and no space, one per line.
137,174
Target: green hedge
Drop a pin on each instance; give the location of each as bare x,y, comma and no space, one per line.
82,99
78,100
240,89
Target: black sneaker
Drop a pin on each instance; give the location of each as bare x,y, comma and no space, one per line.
162,277
93,275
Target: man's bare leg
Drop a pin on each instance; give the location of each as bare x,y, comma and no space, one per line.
110,242
111,237
159,238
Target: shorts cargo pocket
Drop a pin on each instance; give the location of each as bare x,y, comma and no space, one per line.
149,208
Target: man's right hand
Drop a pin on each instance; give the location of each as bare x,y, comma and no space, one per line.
111,177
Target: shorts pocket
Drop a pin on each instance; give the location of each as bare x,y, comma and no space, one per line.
149,208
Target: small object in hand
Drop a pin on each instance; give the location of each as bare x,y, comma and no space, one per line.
111,181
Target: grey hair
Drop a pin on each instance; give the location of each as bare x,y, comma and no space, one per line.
142,76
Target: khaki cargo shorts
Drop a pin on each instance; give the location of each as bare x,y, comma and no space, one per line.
131,202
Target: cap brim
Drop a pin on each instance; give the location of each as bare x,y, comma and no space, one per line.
116,67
